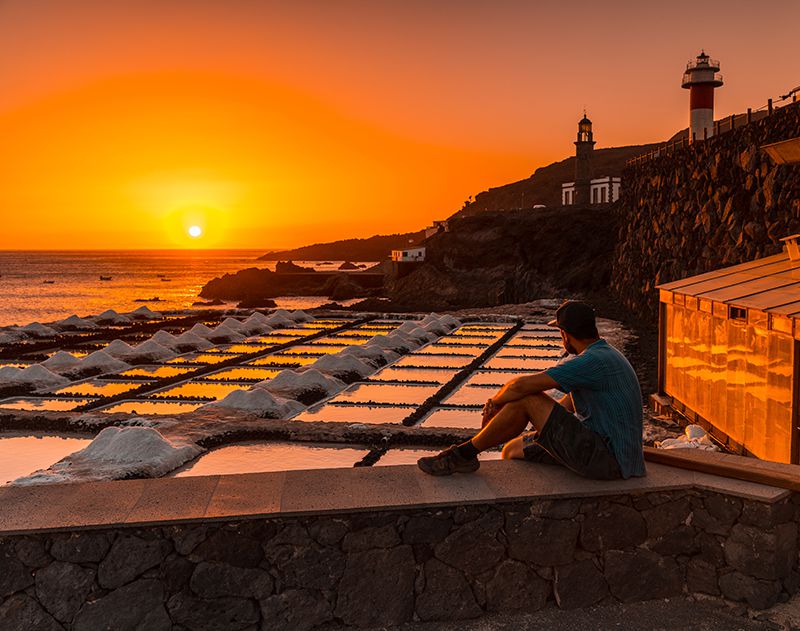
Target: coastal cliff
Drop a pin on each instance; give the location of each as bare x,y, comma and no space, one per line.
712,204
507,257
544,186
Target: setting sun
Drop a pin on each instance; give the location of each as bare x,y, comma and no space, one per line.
195,231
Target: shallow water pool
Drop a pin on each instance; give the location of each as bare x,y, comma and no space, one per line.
241,373
367,414
419,375
396,394
520,363
199,390
97,388
409,455
156,372
434,361
473,396
260,457
450,418
284,361
203,358
151,406
22,453
530,351
44,404
445,349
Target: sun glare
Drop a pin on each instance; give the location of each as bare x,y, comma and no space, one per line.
195,231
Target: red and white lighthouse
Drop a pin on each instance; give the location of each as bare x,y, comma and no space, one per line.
701,77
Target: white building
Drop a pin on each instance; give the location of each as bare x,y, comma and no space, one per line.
603,190
409,255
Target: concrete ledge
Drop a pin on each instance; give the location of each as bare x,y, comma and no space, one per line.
327,491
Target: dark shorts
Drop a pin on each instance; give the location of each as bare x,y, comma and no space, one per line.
566,441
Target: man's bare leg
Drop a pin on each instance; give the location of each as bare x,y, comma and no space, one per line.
512,420
504,426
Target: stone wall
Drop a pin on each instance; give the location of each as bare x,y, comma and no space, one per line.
381,568
713,204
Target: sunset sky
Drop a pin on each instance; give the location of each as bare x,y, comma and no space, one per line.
275,124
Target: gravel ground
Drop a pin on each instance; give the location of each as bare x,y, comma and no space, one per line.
676,614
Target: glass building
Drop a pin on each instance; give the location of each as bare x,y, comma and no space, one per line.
729,354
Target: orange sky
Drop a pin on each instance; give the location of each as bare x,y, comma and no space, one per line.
274,124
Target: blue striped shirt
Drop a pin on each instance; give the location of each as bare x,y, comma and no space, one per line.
608,399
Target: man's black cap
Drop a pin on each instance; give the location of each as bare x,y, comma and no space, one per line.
574,317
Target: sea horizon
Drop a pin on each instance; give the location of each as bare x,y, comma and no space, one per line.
49,285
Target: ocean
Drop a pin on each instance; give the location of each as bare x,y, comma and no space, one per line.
46,286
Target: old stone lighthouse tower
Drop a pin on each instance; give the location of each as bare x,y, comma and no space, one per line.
584,146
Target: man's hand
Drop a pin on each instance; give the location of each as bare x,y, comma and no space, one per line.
489,410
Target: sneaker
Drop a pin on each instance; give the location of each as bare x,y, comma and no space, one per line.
448,462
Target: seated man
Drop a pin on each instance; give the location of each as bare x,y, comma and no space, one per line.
595,430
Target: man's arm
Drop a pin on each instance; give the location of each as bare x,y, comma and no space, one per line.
522,387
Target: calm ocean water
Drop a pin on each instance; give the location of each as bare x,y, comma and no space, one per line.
26,295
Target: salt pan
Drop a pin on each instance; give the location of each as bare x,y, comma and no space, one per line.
260,402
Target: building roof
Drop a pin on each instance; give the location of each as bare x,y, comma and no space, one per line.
770,284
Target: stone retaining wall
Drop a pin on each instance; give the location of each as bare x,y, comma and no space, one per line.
380,568
715,203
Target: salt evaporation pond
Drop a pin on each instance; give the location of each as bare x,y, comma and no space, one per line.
21,454
404,455
44,404
154,407
368,414
199,390
258,457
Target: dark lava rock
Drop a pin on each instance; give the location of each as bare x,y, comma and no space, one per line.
138,606
32,552
187,538
129,557
14,576
473,547
230,547
767,554
177,571
197,614
377,587
255,303
766,515
642,575
516,587
681,540
666,517
369,538
757,593
446,595
295,610
543,541
426,529
62,588
289,267
579,585
81,547
328,532
214,580
23,613
613,527
701,577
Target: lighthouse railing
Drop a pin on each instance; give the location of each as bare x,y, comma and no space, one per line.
721,126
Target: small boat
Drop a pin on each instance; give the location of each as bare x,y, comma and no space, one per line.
105,278
49,282
164,279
